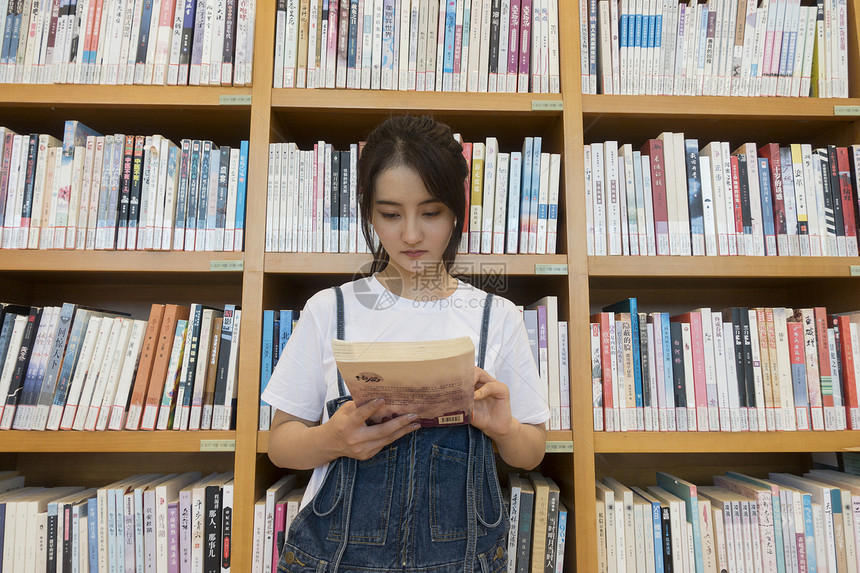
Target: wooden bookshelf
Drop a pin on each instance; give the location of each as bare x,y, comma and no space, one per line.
261,280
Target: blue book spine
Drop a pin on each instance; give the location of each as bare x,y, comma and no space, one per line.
526,189
592,38
93,534
657,31
2,528
193,188
766,200
267,351
811,561
143,39
241,190
631,306
535,194
286,329
666,336
204,190
639,37
658,535
450,30
623,25
352,46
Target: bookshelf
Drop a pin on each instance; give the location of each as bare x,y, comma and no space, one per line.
258,280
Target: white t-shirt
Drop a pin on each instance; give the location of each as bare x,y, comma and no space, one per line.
305,377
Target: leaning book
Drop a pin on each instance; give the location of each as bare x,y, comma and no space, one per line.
433,379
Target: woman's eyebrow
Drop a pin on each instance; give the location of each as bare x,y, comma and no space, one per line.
398,204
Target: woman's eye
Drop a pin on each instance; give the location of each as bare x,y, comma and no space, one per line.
432,214
388,215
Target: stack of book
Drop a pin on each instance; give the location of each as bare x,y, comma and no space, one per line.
424,45
548,341
741,523
673,198
511,199
167,522
538,524
739,369
76,368
116,42
714,48
122,192
273,515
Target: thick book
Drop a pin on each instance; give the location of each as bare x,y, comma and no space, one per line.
433,379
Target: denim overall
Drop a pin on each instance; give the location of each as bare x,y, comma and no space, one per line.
428,502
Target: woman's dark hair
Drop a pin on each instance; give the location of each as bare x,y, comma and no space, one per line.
426,146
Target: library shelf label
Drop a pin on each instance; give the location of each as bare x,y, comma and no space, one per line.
547,105
226,266
846,110
233,99
217,445
854,270
550,269
564,447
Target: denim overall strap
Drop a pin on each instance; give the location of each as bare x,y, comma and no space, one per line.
475,462
346,467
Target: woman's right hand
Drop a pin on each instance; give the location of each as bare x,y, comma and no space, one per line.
352,437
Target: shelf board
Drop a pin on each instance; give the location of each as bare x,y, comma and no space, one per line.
470,265
147,262
724,108
725,442
435,102
722,267
102,96
107,441
557,442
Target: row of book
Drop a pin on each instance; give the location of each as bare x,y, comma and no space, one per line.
173,522
784,522
739,369
536,539
116,42
511,199
418,45
548,340
76,368
123,192
714,48
673,198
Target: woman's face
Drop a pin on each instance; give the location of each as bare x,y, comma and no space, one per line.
412,225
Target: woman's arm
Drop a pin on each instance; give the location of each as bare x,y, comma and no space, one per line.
302,445
520,445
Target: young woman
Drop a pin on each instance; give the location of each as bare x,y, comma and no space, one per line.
391,496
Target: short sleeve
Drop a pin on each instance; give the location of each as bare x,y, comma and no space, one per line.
514,365
298,383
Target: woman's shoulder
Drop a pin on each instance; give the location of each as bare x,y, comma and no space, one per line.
325,301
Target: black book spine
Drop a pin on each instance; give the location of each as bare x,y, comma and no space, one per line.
30,180
679,382
229,43
495,29
524,537
192,354
743,179
665,515
227,538
51,549
838,215
23,359
737,334
646,365
335,199
212,530
344,201
749,372
221,198
124,200
136,182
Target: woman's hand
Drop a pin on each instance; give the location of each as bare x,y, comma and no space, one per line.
492,410
520,445
348,430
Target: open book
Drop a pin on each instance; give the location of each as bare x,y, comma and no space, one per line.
434,379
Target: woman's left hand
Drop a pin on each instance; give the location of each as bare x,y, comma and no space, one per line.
492,410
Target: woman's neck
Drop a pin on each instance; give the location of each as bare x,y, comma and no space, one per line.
430,284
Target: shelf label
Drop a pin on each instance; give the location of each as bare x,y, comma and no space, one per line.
235,99
559,447
217,445
548,269
547,105
854,270
228,266
846,110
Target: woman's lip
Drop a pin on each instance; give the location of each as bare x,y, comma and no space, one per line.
414,253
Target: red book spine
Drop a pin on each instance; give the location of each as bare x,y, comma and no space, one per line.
824,370
798,369
846,195
736,194
849,381
654,149
604,319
